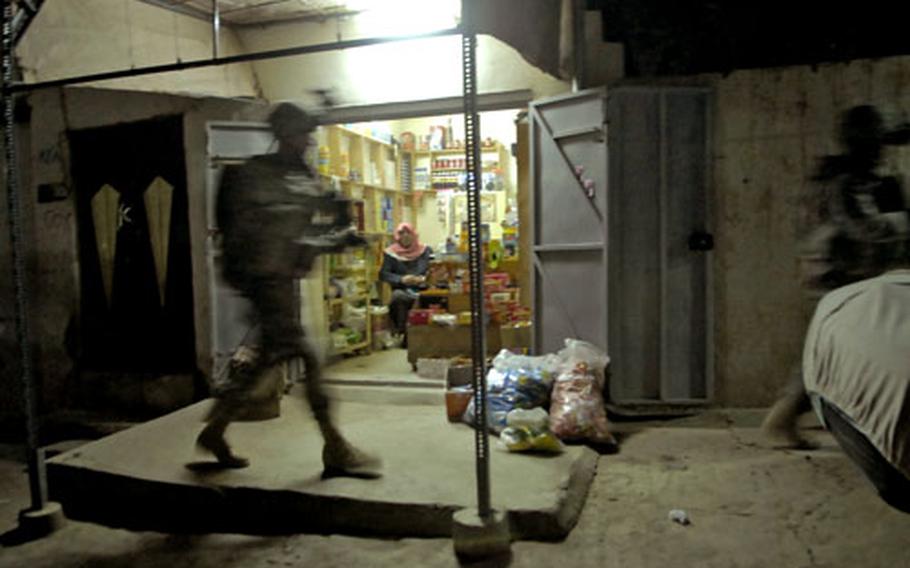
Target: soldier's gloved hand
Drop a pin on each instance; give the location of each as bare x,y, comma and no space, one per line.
341,206
350,238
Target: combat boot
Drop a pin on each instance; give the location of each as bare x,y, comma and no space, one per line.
341,459
211,439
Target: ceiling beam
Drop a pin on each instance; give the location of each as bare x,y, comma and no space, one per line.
214,62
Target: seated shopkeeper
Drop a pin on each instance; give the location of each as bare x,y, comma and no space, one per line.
404,266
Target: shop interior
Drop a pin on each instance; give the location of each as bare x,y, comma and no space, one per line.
413,171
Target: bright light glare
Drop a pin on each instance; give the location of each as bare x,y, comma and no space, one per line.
385,73
387,18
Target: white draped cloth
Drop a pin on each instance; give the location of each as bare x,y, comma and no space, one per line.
857,358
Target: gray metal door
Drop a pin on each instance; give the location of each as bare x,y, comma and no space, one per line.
659,328
568,220
228,142
621,239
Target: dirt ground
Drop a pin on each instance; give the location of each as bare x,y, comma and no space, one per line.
748,506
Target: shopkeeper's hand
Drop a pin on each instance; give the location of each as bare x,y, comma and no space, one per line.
412,280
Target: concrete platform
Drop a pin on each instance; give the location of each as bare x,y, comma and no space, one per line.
384,377
138,478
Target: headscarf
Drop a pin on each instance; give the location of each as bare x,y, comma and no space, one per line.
399,251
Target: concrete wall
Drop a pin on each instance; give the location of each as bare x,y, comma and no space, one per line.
70,38
770,127
55,283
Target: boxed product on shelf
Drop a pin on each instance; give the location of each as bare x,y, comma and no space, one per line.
444,319
495,281
421,316
421,178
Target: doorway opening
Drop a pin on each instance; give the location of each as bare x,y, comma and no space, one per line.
136,301
411,170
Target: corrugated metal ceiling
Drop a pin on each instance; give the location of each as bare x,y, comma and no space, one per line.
246,12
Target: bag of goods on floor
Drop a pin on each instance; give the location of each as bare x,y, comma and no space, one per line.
577,410
516,382
534,402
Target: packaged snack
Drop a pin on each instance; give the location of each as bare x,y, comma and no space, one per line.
577,410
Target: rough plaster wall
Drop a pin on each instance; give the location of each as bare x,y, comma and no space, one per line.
55,287
53,281
70,38
770,127
413,70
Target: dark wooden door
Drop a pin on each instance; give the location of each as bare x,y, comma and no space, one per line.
136,301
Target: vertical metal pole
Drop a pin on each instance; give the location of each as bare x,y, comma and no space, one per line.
216,28
36,471
475,264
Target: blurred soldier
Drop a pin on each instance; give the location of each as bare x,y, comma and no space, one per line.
276,218
863,218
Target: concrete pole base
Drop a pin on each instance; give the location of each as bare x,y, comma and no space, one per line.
475,537
36,523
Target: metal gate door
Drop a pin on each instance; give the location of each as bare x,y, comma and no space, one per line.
620,238
228,142
568,220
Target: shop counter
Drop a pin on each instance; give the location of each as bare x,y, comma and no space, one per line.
437,341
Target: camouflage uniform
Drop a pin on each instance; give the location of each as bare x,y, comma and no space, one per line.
265,207
276,218
860,235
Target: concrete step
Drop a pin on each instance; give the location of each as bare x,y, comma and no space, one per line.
150,477
390,395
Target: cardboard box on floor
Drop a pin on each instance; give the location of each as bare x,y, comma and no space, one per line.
436,341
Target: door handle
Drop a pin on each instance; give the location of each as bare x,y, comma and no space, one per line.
701,241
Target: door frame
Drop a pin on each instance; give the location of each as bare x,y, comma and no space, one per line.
662,404
176,118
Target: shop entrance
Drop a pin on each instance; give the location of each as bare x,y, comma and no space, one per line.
402,170
412,171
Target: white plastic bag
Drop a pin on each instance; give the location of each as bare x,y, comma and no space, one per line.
516,381
528,430
577,351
